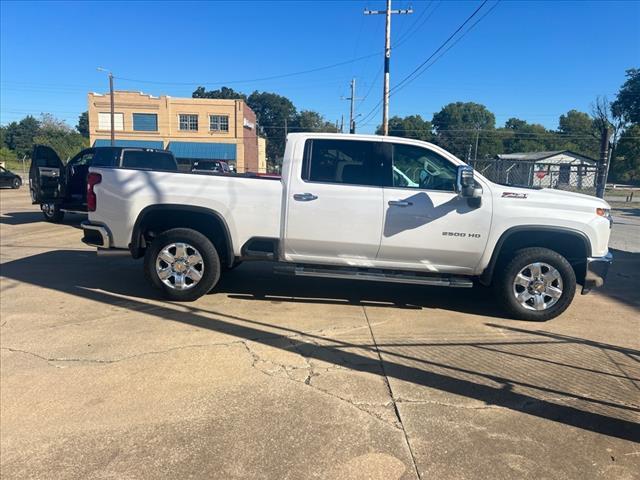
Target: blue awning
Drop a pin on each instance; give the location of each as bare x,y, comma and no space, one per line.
202,150
129,143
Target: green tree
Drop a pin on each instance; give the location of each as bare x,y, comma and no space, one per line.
83,124
578,132
19,135
223,93
627,103
273,112
412,126
7,155
59,136
625,165
458,125
310,121
519,136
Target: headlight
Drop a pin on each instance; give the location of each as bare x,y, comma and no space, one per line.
606,213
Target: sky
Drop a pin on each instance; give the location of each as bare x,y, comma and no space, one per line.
531,60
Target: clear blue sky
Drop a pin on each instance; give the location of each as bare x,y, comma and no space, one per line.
532,60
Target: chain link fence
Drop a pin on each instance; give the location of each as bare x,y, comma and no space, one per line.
564,176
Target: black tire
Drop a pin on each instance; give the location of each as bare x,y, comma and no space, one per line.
16,183
52,214
522,258
210,262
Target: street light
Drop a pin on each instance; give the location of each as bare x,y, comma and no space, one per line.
113,130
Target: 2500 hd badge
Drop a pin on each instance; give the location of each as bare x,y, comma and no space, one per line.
460,234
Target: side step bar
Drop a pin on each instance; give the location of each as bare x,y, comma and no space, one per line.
374,275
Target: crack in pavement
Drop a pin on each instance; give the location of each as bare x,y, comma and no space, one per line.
391,396
312,372
116,360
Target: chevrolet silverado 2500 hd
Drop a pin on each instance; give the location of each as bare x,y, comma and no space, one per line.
358,207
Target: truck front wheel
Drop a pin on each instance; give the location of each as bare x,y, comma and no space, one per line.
537,284
183,264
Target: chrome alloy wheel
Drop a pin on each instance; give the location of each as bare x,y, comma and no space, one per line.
538,286
49,209
179,266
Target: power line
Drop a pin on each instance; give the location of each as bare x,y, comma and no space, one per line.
261,79
435,52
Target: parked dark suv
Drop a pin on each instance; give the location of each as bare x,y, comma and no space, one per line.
58,187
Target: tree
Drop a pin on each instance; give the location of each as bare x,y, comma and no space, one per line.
625,165
412,126
58,135
627,103
223,93
19,135
519,136
273,112
310,121
7,155
83,124
458,125
578,132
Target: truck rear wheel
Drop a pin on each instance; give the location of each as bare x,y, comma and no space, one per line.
183,264
52,212
537,284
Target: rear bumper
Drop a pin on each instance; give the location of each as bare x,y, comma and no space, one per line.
596,272
95,235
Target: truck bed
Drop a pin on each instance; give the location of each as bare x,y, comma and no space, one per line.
251,205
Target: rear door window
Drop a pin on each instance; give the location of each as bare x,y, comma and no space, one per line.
148,160
351,162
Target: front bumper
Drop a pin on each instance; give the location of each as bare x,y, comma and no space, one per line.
596,272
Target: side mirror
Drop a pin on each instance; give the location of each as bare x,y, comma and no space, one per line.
466,186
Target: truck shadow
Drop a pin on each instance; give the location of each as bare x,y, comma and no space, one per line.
479,368
23,218
256,281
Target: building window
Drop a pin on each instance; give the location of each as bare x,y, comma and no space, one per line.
219,123
188,122
104,121
145,122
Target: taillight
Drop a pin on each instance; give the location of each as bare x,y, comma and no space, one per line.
93,179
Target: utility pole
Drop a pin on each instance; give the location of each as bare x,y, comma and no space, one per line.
342,123
113,107
603,167
475,155
387,57
113,113
352,117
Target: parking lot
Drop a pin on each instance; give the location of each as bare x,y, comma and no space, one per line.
280,378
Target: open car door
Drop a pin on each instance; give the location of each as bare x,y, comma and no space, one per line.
45,175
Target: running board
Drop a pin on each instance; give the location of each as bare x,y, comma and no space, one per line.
374,275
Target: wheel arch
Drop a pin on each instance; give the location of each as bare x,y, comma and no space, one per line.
165,216
574,245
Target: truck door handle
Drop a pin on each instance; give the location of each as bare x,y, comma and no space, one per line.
399,203
304,197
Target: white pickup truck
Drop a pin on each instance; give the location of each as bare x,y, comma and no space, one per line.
359,207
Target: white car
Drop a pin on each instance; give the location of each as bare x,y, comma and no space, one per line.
359,207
